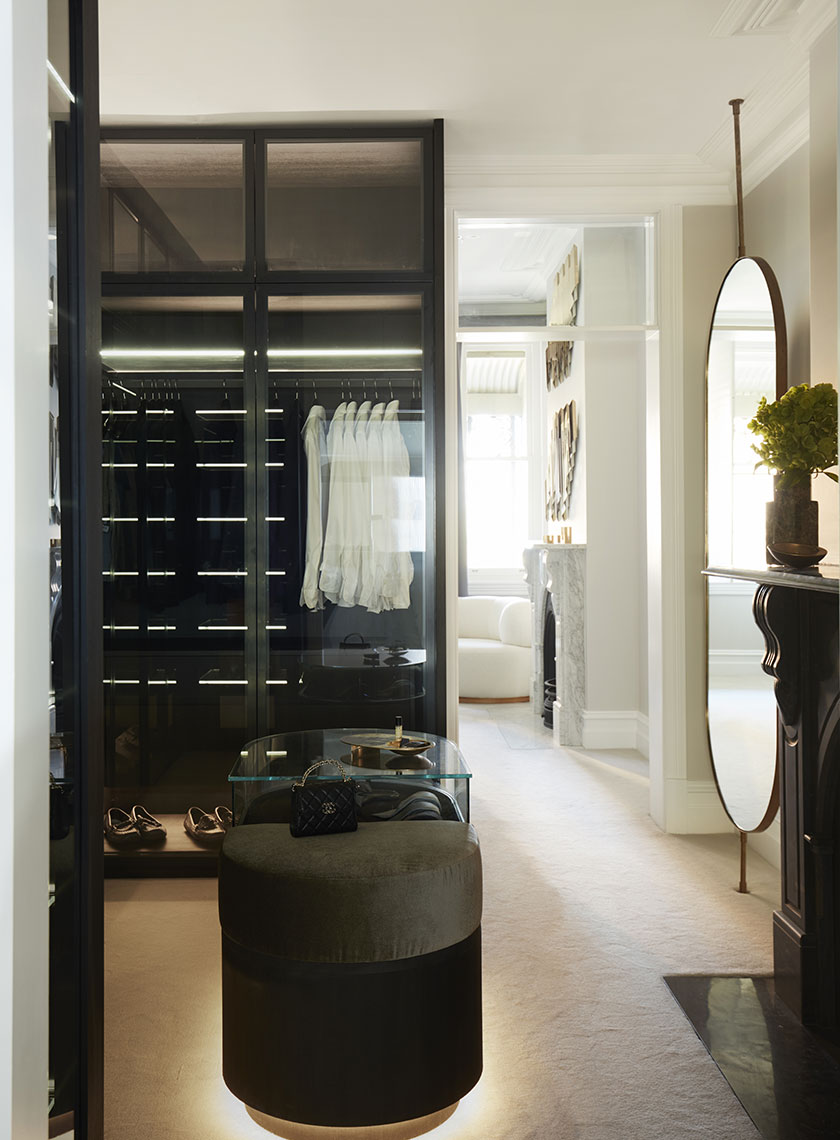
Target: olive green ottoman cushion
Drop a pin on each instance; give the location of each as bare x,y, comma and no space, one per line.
383,892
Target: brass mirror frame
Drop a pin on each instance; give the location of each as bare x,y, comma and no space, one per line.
780,329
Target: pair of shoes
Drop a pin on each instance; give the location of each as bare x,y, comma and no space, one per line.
205,827
124,829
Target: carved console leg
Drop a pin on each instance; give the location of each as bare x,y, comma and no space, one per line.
800,632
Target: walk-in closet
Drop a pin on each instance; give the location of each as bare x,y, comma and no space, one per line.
269,315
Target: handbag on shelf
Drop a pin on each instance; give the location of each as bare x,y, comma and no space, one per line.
323,807
349,642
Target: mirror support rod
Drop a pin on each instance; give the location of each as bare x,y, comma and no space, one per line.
735,104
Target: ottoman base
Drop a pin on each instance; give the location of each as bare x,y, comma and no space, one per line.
352,1045
404,1130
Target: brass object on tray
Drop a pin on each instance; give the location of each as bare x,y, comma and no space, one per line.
366,750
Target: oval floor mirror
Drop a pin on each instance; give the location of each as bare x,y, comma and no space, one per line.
746,359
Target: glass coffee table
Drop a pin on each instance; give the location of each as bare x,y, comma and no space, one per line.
388,782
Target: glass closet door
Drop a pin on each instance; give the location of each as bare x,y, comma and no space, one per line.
177,551
344,486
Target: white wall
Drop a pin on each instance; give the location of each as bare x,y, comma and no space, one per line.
24,570
614,378
709,247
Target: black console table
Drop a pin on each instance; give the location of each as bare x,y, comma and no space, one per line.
797,612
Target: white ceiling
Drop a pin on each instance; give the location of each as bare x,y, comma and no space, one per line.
539,77
508,261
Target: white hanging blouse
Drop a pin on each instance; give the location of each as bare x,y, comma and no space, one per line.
330,576
317,474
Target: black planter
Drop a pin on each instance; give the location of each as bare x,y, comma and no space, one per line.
792,516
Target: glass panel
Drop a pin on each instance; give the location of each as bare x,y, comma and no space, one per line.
62,1073
344,205
174,551
514,273
177,205
343,444
387,781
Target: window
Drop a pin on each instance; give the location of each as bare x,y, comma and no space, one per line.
496,462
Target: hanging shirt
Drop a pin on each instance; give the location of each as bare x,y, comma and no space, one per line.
353,529
370,594
362,496
398,563
317,479
330,577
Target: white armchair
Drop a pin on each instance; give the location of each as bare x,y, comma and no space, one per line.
494,649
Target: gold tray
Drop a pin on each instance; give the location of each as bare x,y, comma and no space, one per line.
366,749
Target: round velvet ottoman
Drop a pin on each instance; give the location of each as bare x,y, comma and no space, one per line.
351,972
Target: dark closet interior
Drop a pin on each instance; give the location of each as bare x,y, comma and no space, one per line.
248,276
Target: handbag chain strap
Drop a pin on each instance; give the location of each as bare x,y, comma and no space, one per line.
302,781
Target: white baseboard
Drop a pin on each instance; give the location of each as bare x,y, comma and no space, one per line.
643,735
693,807
615,729
735,662
768,844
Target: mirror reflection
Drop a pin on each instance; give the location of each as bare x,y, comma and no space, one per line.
742,706
741,369
747,359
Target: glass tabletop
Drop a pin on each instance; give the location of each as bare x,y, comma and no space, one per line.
287,755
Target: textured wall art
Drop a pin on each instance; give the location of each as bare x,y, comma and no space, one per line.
562,310
562,448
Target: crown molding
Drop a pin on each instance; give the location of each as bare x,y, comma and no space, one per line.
774,101
774,116
755,17
814,18
802,21
779,147
672,176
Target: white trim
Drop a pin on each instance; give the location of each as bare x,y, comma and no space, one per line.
615,729
730,588
776,149
779,96
450,488
752,17
767,844
815,18
642,734
660,172
735,662
694,808
572,201
665,483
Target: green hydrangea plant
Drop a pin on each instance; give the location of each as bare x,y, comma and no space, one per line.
798,433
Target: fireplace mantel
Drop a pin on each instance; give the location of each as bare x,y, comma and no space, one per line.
558,571
797,612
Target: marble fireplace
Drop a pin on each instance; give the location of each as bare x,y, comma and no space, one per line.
556,574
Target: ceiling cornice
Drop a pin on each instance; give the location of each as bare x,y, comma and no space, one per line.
755,17
774,116
697,179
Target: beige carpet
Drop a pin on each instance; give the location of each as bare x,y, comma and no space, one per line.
587,905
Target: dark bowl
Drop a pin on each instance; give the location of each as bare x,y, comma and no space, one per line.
796,555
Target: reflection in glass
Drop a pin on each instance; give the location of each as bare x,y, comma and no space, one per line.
350,205
359,358
175,570
63,892
741,369
742,705
747,359
172,206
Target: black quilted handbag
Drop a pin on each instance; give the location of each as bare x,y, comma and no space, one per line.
323,807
